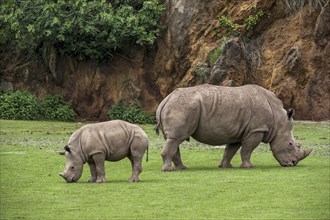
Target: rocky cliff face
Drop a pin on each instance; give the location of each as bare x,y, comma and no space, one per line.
288,53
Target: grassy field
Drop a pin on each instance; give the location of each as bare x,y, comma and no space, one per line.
30,187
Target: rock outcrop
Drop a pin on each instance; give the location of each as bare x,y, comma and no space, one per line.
288,53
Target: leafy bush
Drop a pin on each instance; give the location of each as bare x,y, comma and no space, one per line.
227,24
19,105
133,114
22,105
54,108
252,20
83,29
117,111
234,29
228,29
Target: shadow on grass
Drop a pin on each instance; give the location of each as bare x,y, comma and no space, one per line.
115,181
256,167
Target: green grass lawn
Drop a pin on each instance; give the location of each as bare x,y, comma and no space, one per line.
30,187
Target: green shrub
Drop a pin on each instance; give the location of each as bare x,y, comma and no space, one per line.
53,107
22,105
19,105
251,21
227,24
65,113
117,111
234,29
133,114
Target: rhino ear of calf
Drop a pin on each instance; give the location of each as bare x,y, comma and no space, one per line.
67,148
61,152
290,113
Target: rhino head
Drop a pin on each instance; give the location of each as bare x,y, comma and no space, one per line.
285,149
74,165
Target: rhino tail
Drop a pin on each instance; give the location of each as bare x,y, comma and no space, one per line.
156,129
147,159
159,114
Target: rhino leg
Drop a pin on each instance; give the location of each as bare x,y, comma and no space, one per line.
137,149
230,151
168,153
99,164
92,168
136,163
177,161
248,145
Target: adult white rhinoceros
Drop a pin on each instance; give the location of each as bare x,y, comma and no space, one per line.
235,116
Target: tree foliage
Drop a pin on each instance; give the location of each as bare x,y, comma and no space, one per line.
80,28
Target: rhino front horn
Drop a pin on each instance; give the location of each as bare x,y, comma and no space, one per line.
61,174
305,153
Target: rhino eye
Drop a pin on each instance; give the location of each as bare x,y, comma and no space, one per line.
291,143
72,167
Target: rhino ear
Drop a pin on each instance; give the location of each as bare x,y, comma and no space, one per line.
290,113
67,148
61,152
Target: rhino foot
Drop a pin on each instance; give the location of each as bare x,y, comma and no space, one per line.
246,165
181,167
134,179
101,180
92,180
225,165
168,169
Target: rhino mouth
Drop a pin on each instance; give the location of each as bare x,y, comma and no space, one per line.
290,164
72,180
67,179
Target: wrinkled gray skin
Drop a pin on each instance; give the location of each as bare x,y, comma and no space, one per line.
111,141
236,116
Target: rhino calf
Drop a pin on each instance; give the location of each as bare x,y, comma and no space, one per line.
111,141
236,116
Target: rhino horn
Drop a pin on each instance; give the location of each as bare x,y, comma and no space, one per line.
304,154
62,175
